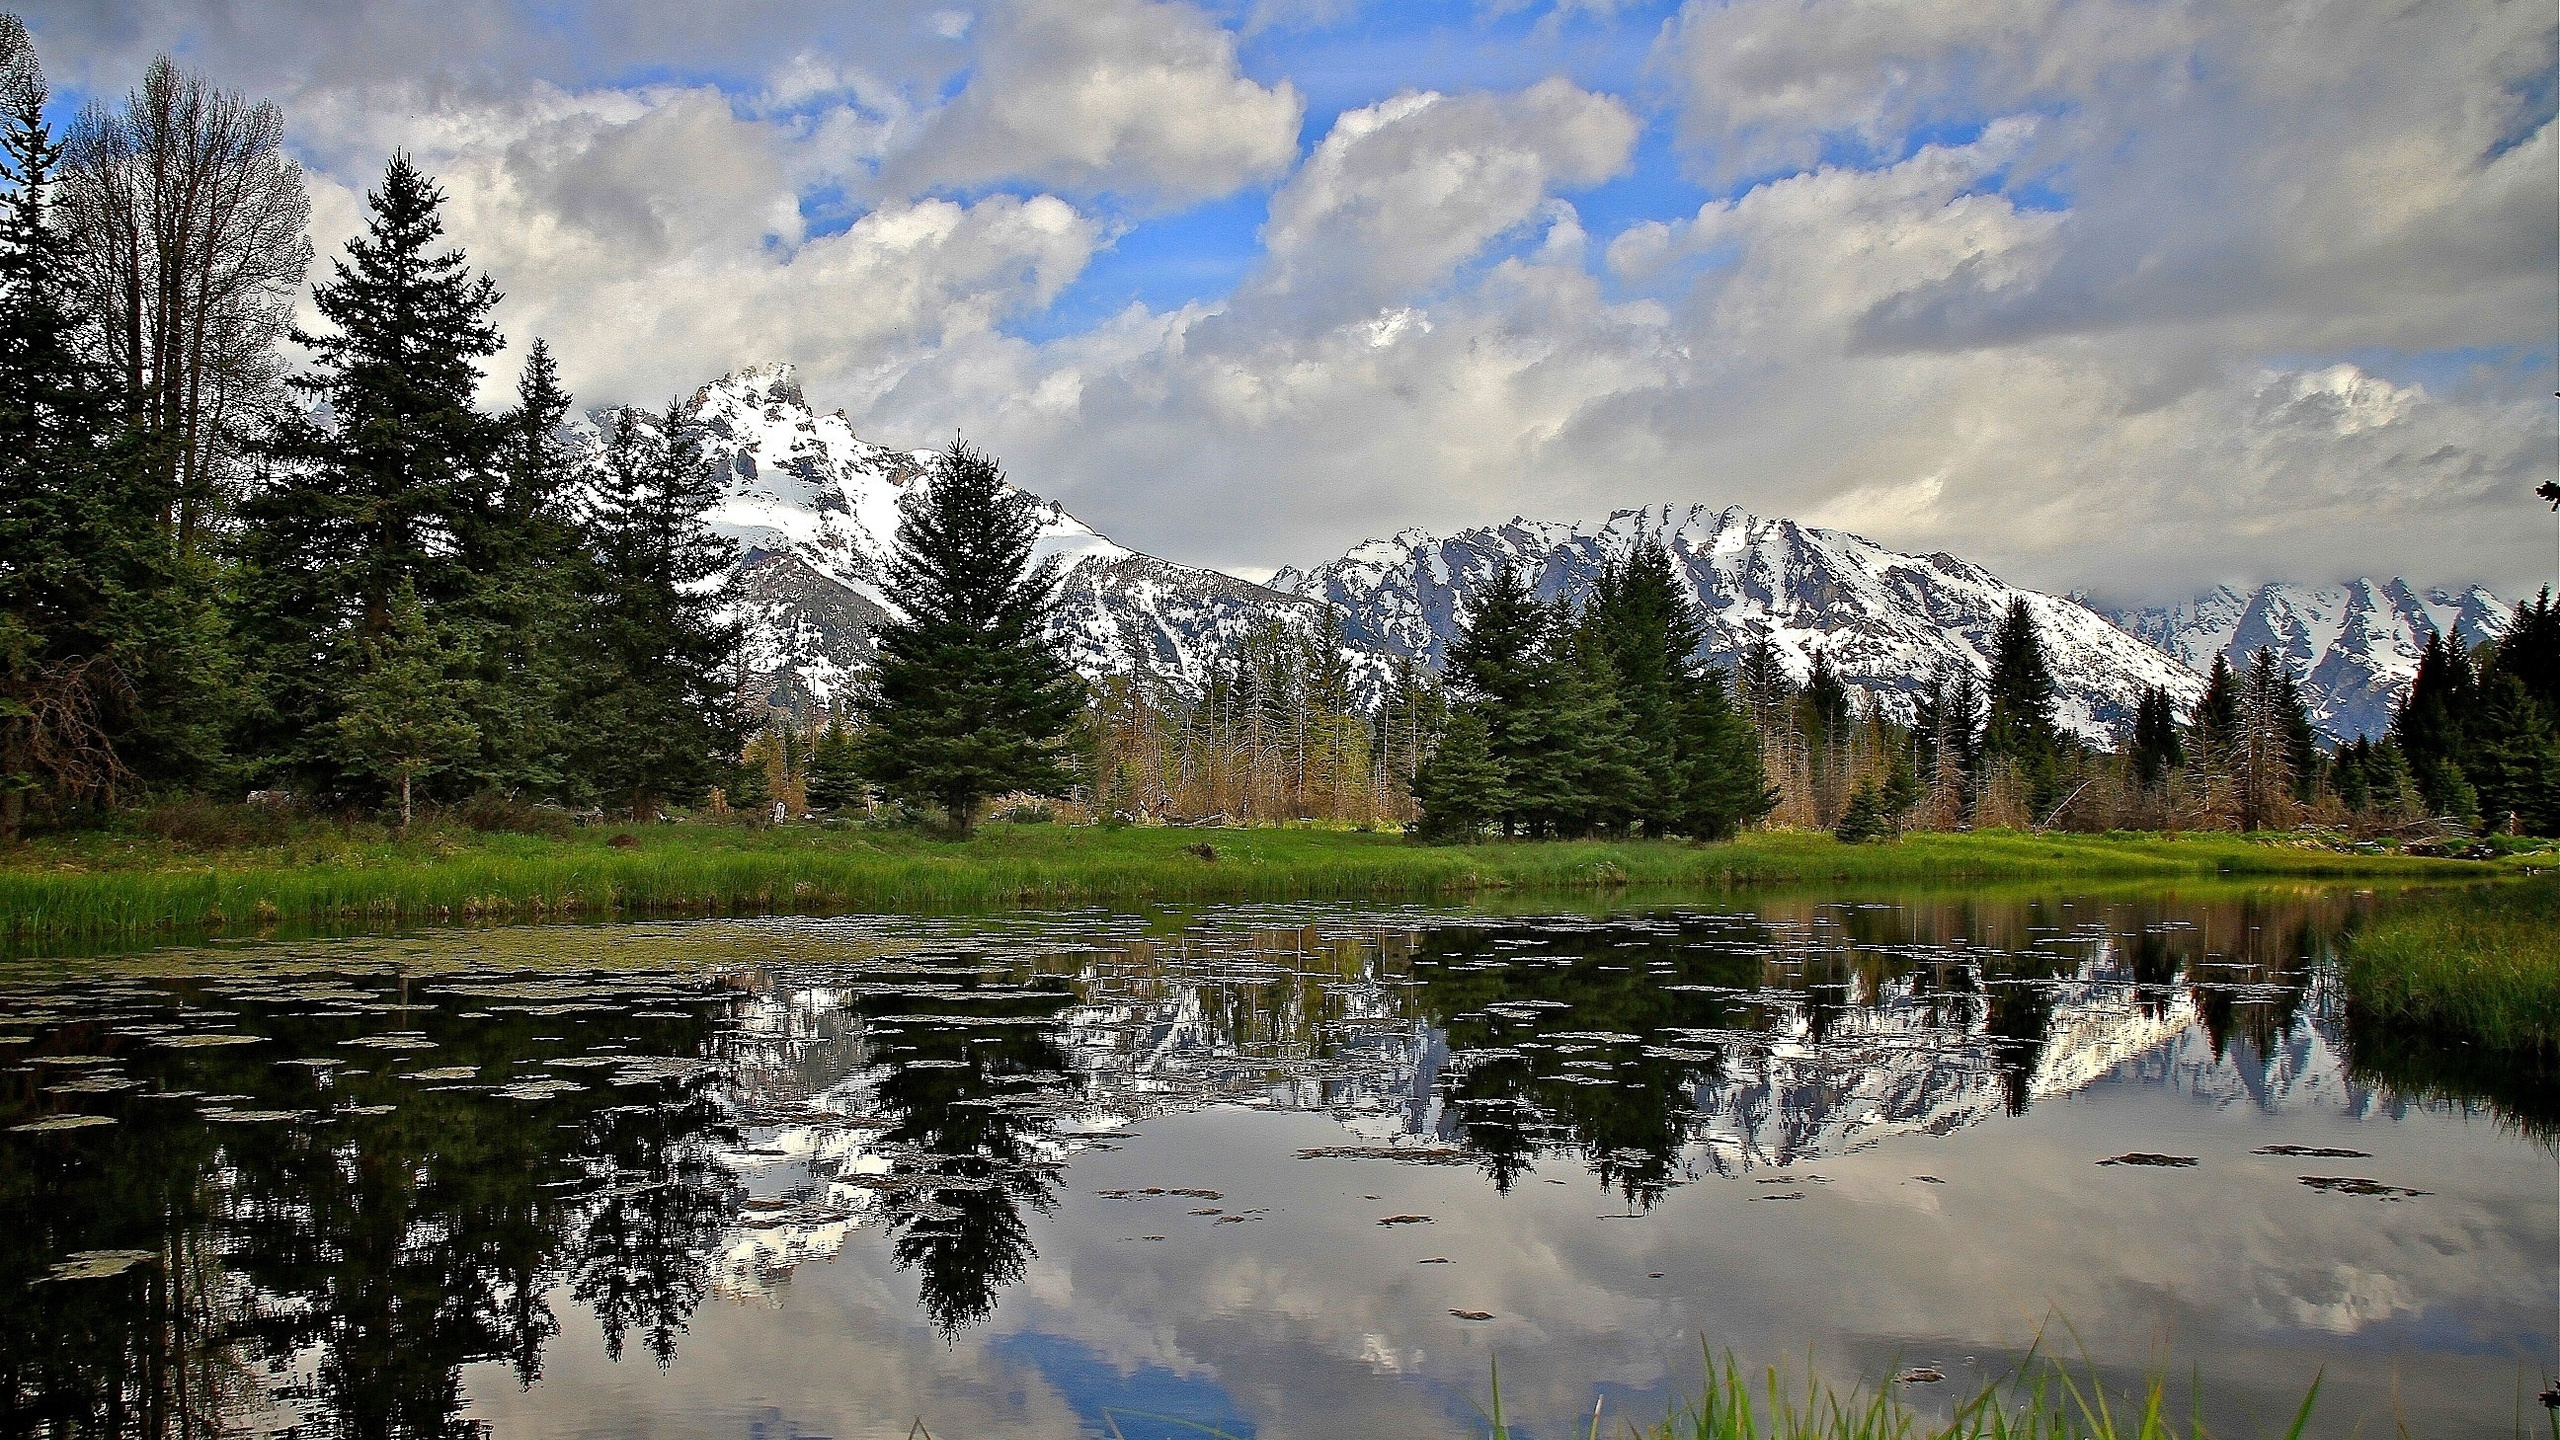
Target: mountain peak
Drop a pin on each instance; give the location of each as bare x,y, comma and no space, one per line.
775,382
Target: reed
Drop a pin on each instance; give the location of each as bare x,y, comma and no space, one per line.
2043,1400
2480,966
128,886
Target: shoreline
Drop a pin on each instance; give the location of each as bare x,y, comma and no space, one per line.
128,888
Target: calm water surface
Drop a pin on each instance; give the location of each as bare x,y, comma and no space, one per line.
1282,1171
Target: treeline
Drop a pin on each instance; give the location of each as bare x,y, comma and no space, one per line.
349,582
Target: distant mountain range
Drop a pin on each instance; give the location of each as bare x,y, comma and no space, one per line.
2356,645
813,507
1887,620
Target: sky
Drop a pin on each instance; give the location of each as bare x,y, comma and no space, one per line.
2129,297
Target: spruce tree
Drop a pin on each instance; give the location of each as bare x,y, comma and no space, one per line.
1460,789
407,702
81,567
2515,762
2153,750
2216,727
1496,665
1652,637
1724,782
657,722
528,548
1590,779
835,774
1866,817
375,498
2018,721
2427,727
973,700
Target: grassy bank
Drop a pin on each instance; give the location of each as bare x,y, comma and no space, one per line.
2477,966
133,885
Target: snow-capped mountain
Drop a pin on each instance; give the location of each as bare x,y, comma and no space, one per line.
814,508
2356,645
1886,620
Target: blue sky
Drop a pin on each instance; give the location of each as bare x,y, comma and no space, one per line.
2130,296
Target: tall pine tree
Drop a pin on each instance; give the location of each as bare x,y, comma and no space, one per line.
81,567
375,497
973,700
2018,722
656,719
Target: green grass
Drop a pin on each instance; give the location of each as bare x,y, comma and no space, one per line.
2044,1399
124,885
2480,966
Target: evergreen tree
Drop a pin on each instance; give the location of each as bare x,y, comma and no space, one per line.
835,774
2262,759
746,787
1947,728
1651,636
1724,783
2154,749
2427,727
657,722
376,498
1589,779
81,568
1866,818
407,704
1826,711
973,699
2217,719
2018,721
1495,664
2515,762
2530,651
528,549
1762,685
1461,787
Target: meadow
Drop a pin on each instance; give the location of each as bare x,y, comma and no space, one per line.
136,883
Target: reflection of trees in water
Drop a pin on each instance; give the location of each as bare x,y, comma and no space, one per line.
381,1251
1511,1102
965,1142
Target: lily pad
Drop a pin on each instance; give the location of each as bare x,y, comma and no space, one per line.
97,1264
52,1123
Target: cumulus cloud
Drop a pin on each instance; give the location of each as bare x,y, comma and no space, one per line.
1141,98
1404,191
2130,295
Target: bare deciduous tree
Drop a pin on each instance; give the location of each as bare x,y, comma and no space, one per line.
188,220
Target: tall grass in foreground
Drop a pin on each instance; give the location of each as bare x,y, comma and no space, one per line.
2043,1401
2478,966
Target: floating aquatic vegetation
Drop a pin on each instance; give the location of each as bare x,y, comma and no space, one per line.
55,1124
2359,1185
97,1264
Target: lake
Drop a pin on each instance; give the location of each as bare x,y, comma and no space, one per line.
1267,1170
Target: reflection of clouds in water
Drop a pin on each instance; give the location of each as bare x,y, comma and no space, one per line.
894,1111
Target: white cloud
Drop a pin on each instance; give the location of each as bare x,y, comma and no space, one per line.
1404,191
1139,98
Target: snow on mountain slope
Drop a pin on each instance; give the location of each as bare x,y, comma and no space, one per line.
1885,619
814,509
2356,645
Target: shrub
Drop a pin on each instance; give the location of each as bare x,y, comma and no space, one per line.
195,823
491,811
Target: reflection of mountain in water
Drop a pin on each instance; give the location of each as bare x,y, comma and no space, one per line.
347,1191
